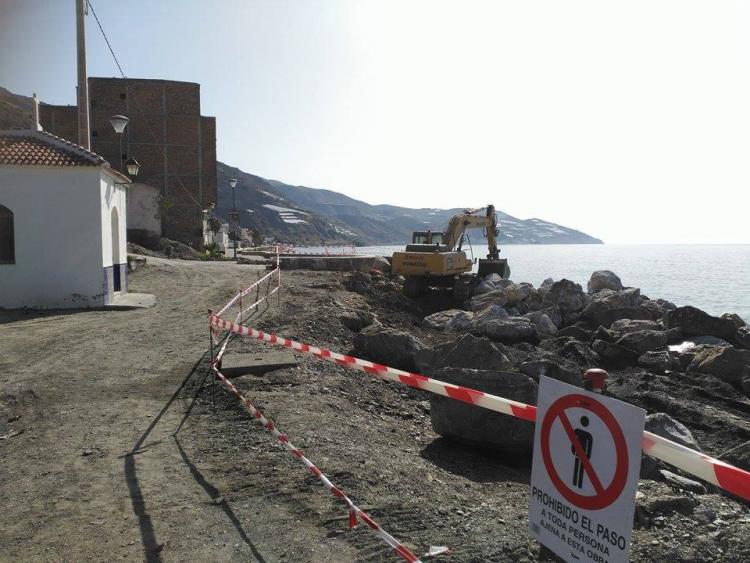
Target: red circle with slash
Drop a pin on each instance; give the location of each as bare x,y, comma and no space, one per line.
604,496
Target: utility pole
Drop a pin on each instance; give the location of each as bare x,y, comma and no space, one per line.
83,87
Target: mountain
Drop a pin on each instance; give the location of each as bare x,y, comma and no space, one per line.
302,215
262,208
15,111
331,216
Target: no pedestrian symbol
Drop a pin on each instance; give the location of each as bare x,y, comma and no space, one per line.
587,458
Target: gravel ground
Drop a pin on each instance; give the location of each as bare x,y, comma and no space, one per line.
96,473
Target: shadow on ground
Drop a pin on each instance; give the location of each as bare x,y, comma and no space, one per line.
480,466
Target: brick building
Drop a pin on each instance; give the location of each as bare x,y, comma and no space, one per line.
173,142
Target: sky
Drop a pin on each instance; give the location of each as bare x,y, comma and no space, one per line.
627,120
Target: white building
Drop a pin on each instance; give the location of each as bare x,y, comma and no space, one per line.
222,239
62,224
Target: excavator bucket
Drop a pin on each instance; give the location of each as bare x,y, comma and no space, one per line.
499,266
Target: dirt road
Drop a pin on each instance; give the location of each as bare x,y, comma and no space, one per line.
94,474
97,475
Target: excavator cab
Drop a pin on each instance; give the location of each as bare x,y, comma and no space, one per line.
427,237
426,241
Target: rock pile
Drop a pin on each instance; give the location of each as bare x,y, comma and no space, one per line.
512,333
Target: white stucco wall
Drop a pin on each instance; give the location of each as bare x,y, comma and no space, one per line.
143,209
112,197
58,236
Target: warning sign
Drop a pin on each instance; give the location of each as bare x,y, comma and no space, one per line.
587,459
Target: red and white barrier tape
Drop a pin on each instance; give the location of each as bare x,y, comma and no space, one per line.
245,291
252,286
354,511
728,477
259,301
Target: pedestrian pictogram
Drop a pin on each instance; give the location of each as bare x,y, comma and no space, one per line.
585,472
586,441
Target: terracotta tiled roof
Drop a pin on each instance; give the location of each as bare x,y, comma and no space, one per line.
39,148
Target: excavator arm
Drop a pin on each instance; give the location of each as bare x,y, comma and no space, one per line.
470,220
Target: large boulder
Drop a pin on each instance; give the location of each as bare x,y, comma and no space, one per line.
660,361
508,331
551,365
493,278
630,297
694,322
467,352
581,354
451,320
608,306
604,334
496,297
742,338
708,341
480,427
624,326
357,320
667,427
387,346
644,340
577,332
657,307
603,279
738,321
614,355
554,314
566,295
545,328
490,312
727,364
484,287
515,293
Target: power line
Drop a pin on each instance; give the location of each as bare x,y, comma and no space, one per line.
106,39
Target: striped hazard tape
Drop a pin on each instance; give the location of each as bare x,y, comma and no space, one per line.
728,477
355,512
247,290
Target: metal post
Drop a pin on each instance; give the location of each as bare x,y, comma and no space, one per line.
83,88
122,164
240,292
257,296
237,223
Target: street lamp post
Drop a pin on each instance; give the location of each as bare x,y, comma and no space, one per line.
235,216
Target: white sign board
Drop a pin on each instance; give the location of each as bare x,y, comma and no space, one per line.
587,459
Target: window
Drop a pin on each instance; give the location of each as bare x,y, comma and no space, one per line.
7,244
94,133
93,103
123,96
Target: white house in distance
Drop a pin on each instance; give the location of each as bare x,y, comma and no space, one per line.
62,224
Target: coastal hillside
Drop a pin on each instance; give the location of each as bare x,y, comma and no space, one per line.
304,215
15,110
357,221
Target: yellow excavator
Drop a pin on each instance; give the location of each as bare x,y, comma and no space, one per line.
435,259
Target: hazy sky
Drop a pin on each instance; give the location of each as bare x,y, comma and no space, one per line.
628,120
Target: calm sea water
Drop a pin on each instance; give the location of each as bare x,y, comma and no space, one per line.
715,278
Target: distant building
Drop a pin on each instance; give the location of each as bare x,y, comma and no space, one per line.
63,219
215,233
173,142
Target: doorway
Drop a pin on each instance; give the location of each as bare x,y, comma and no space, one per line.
117,283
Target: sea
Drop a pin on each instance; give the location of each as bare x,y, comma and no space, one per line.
715,278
